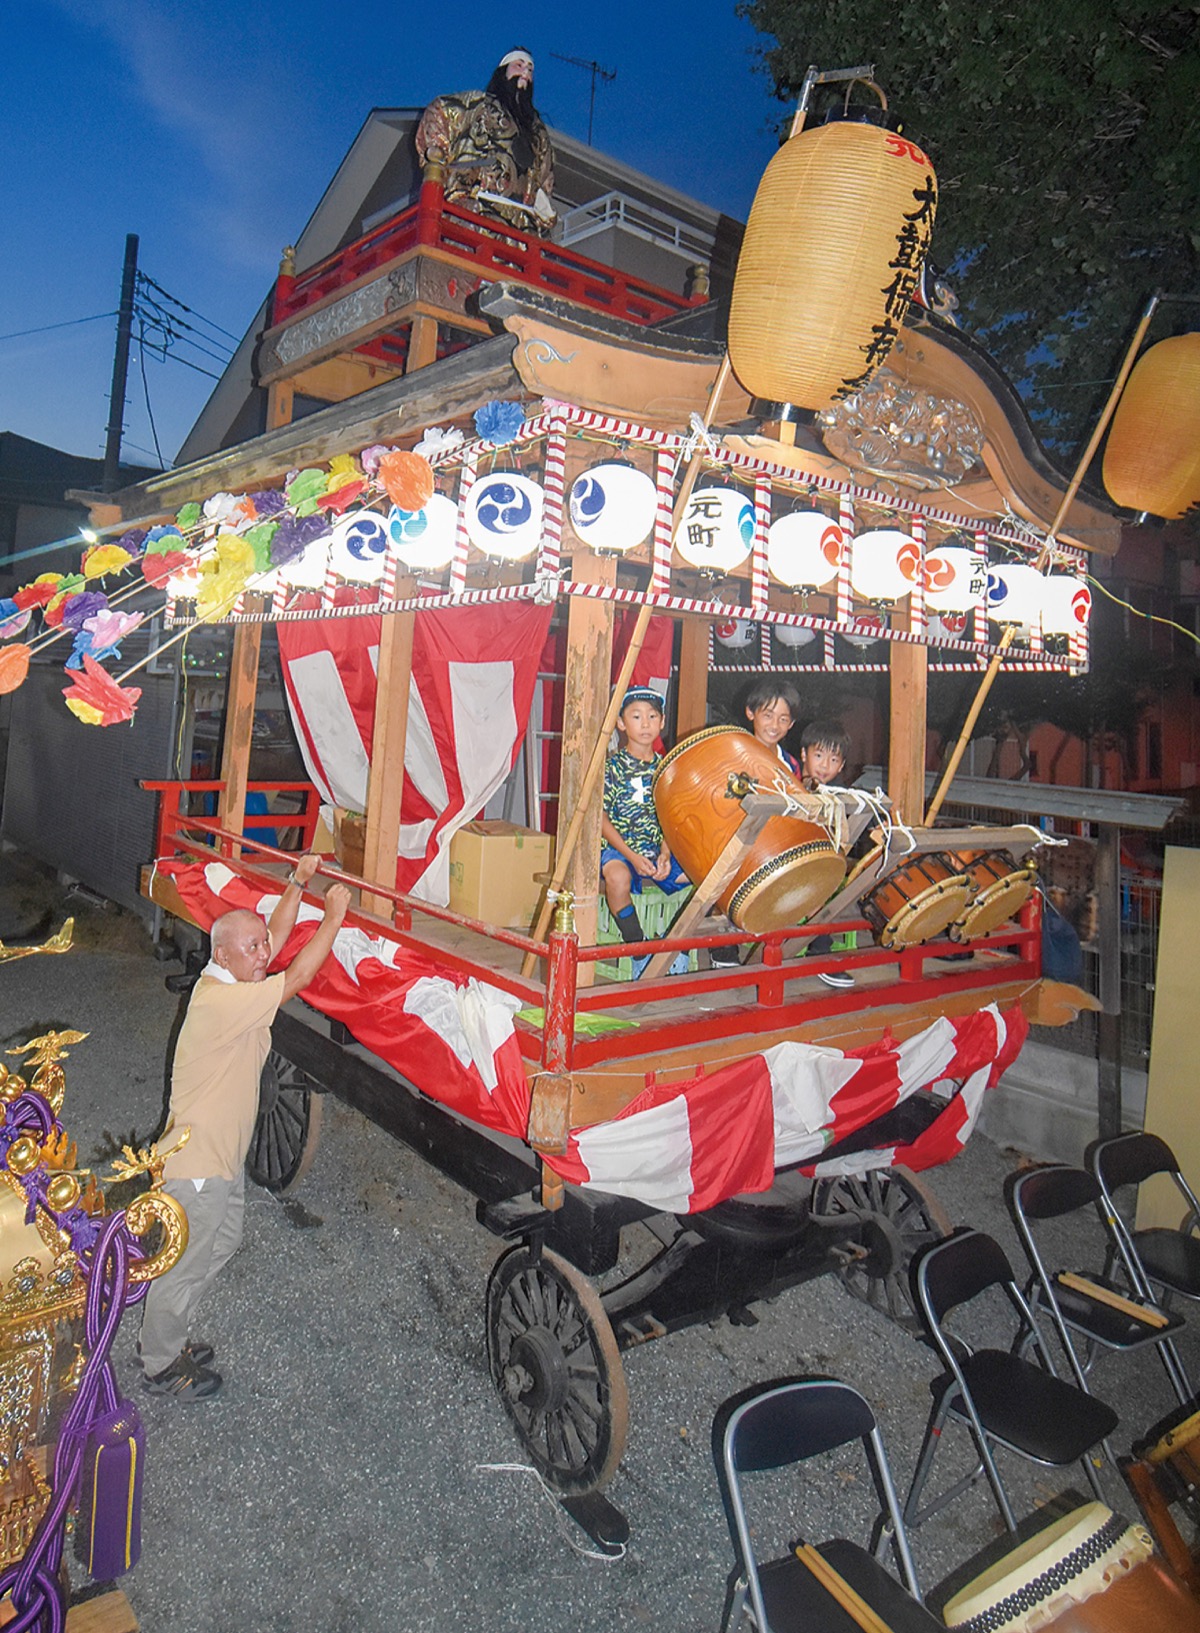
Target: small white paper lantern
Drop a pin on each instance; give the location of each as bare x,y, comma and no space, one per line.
504,515
953,578
307,570
861,638
804,549
184,583
1066,605
358,547
613,506
424,539
735,632
949,626
1014,594
717,529
884,564
794,635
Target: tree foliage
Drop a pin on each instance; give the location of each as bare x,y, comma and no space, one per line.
1066,140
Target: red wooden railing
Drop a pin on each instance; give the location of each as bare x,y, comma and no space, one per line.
493,250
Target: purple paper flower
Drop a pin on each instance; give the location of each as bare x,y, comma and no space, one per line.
499,422
294,535
270,503
84,605
133,540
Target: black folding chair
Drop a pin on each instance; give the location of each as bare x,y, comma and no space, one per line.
1085,1302
1001,1397
773,1426
1159,1256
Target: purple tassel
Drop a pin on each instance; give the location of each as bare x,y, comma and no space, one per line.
108,1532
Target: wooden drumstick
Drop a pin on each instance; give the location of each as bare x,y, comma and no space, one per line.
1116,1301
838,1588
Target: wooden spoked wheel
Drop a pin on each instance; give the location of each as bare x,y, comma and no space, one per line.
555,1363
288,1126
898,1215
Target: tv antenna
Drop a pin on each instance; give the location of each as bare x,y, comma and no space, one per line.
593,68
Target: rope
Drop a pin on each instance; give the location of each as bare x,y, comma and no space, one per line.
564,1526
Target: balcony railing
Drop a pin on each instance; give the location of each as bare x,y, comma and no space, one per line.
493,250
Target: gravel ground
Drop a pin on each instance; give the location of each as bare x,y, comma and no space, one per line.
347,1476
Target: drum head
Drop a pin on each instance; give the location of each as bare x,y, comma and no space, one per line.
788,889
928,914
994,906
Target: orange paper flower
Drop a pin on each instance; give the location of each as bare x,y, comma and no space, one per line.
14,666
407,479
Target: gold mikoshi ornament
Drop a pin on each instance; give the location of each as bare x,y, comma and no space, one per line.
11,1084
831,258
62,1192
1152,460
24,1154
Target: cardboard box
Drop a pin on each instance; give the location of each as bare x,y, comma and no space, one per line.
349,840
493,868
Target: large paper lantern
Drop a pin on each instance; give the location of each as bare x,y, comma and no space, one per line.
1066,605
953,578
307,570
1014,594
1152,461
358,547
735,632
504,515
884,564
716,532
830,260
613,506
424,539
804,549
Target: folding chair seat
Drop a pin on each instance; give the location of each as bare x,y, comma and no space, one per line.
1087,1303
773,1426
1168,1258
1002,1398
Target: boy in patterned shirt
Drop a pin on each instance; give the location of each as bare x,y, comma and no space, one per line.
634,848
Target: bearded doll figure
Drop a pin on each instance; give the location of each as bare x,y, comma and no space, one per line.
494,148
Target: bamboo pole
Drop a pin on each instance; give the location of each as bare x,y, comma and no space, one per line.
620,687
1068,498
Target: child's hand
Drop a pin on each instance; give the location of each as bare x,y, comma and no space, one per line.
646,868
663,866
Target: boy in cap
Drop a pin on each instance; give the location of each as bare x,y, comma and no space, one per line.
633,846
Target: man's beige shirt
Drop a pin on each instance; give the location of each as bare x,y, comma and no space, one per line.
223,1043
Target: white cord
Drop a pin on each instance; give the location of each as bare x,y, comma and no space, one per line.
565,1526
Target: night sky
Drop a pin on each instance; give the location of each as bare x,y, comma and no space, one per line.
211,130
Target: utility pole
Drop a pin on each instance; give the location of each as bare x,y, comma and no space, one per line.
595,70
116,396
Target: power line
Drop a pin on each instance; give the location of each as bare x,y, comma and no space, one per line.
183,307
71,323
170,336
146,388
177,324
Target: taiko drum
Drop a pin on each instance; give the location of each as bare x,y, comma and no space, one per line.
916,902
999,891
1087,1572
791,869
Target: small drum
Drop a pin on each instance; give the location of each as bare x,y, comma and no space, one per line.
792,868
1087,1572
1000,891
916,902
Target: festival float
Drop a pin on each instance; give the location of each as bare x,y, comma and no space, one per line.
515,532
72,1450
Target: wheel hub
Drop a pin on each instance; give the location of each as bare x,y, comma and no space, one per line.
536,1373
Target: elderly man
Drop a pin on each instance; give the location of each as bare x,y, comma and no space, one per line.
219,1058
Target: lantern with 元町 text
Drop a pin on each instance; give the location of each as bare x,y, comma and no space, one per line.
953,578
830,260
736,633
1152,460
716,531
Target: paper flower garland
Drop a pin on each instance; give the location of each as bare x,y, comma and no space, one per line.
42,590
13,619
407,479
104,558
101,635
499,422
223,576
97,699
437,441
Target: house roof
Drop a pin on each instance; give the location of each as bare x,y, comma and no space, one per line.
34,473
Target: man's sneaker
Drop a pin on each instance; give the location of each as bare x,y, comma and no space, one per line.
836,978
184,1380
725,957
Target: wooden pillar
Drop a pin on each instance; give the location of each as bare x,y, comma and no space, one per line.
692,703
1108,1040
588,687
906,749
422,343
239,726
281,399
388,739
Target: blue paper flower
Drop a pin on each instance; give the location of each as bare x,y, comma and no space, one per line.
499,422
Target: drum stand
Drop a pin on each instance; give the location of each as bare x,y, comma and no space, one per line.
1157,1488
